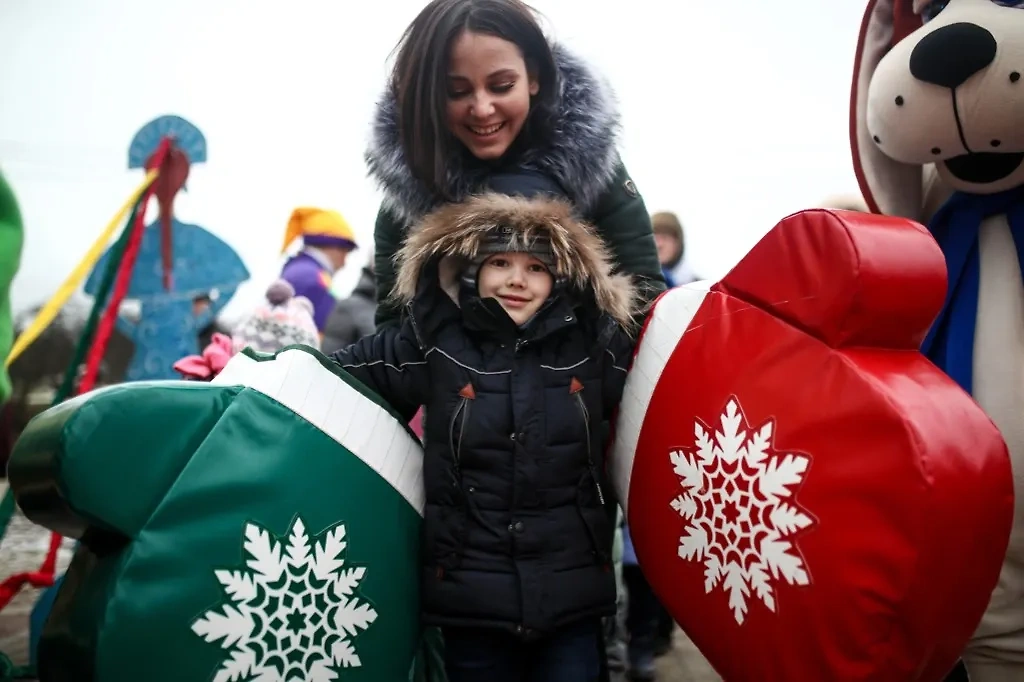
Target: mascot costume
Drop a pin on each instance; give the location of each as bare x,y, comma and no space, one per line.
935,122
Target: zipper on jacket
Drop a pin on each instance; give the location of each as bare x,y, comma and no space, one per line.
465,396
415,328
457,447
577,390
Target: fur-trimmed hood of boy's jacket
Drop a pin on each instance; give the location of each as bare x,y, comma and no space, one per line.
582,154
452,236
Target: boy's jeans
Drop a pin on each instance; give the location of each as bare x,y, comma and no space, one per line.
615,626
481,655
429,663
641,622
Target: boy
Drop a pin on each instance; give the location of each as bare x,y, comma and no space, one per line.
516,340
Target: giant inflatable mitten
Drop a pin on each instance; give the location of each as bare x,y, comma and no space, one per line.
810,497
261,527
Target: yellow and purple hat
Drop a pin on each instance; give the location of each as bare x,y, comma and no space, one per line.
318,227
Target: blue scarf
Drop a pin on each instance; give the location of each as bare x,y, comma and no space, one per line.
950,342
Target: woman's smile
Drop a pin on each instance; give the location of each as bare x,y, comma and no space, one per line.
486,131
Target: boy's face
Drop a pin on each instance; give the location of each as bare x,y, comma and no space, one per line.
520,282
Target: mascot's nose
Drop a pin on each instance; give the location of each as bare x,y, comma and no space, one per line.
950,55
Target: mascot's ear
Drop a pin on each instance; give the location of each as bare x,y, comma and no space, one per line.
888,186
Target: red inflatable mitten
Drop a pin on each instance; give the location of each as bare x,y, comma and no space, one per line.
810,497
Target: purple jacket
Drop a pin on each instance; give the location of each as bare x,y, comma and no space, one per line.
312,280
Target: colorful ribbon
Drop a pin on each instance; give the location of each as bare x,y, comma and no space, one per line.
124,278
48,313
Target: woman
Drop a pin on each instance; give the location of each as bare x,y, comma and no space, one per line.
476,88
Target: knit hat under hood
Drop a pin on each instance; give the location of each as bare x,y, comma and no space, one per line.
504,238
438,247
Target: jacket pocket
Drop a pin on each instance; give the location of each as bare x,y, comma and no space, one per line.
444,536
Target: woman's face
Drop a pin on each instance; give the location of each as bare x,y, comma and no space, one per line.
489,93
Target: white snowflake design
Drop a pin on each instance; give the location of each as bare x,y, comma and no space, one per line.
735,500
293,614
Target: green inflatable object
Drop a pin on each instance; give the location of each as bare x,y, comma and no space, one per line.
261,527
11,240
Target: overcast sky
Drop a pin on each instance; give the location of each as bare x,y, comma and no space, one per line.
735,112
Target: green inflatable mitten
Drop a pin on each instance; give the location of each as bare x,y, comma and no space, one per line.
11,238
263,527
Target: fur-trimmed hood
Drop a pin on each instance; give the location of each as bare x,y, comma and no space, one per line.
451,237
581,156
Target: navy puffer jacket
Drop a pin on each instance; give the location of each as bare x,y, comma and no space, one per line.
518,526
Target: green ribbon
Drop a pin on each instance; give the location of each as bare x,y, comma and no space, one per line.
98,306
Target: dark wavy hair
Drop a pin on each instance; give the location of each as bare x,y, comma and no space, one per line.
420,74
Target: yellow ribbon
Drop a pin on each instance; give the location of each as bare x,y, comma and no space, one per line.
48,313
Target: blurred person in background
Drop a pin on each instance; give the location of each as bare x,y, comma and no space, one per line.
327,239
352,317
671,243
282,319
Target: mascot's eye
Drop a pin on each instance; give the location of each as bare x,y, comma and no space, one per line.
1017,4
932,9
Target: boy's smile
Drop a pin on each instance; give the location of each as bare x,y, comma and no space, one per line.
520,282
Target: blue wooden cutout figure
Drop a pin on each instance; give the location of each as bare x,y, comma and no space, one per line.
204,270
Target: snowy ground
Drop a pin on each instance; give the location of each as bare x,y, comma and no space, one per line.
23,549
685,664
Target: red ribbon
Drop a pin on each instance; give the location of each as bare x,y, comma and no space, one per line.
121,284
42,578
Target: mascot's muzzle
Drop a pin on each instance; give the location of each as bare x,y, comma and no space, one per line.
950,55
